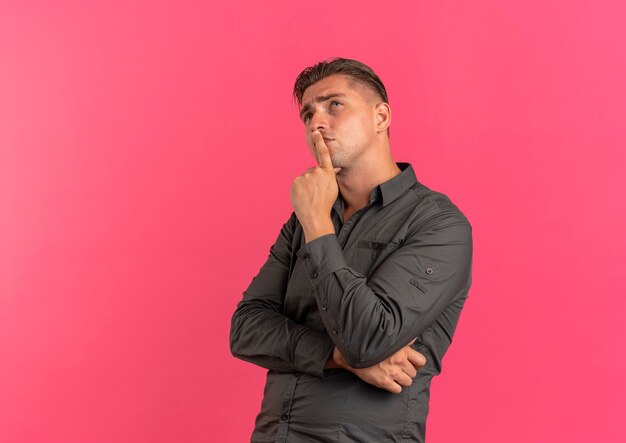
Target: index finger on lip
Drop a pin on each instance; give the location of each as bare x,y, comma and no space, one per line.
322,150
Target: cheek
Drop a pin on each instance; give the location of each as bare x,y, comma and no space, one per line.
359,124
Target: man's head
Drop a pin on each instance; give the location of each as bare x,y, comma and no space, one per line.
358,72
347,102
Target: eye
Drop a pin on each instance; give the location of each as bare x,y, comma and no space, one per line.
306,117
333,102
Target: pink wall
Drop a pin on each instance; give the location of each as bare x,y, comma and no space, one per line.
146,154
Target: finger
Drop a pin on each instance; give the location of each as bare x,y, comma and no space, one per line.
403,380
323,156
412,341
410,370
392,387
418,360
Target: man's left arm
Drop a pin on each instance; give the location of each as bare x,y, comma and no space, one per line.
369,319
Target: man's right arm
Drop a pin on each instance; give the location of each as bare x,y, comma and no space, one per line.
261,333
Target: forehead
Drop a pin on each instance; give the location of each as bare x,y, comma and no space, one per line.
336,83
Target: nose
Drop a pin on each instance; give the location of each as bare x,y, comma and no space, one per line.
318,121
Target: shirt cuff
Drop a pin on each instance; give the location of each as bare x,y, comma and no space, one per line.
321,257
312,352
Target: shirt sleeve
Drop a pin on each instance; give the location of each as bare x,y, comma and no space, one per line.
370,319
260,332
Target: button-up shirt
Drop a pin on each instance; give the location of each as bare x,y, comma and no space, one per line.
397,269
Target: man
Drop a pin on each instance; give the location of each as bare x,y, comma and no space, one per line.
371,267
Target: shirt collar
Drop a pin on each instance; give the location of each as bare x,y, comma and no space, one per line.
389,190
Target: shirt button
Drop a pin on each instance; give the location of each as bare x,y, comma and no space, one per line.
335,330
324,307
429,271
314,275
284,417
298,374
307,257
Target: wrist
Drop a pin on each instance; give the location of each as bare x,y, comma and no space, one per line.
330,362
336,360
318,228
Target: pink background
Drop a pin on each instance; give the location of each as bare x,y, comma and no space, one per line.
146,154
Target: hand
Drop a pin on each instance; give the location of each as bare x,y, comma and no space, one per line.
390,374
314,193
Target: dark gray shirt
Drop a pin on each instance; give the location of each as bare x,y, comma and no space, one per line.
399,268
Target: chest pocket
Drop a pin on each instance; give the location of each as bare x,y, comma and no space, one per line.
371,253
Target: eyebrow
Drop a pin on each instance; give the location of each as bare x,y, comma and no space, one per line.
322,98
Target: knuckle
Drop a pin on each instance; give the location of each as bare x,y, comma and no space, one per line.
386,382
396,359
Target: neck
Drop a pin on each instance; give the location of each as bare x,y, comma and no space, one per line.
357,181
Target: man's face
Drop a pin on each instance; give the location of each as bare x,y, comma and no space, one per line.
345,115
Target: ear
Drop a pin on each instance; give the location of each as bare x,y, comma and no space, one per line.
383,116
